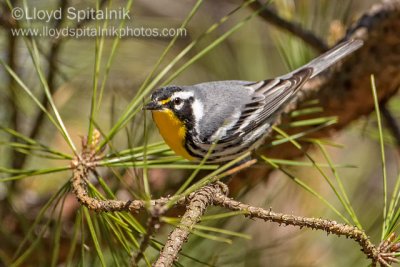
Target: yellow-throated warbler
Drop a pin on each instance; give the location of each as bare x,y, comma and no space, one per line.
230,117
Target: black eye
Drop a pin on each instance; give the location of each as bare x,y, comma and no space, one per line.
177,101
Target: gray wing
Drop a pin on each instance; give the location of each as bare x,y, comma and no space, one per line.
268,97
271,95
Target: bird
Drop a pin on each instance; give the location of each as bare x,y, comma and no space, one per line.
218,121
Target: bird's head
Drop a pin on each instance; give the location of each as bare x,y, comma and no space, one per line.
172,99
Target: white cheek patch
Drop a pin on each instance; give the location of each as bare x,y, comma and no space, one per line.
198,110
198,113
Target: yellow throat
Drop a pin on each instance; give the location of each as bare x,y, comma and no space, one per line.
172,130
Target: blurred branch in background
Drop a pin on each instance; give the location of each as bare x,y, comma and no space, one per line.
15,159
392,125
272,17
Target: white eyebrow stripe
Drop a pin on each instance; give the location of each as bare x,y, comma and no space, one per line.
183,95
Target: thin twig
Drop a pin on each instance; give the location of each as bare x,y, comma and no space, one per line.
152,225
313,223
79,188
240,167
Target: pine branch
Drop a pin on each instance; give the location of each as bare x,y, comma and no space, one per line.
198,203
328,226
216,194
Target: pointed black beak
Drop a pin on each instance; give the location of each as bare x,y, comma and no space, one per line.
152,106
